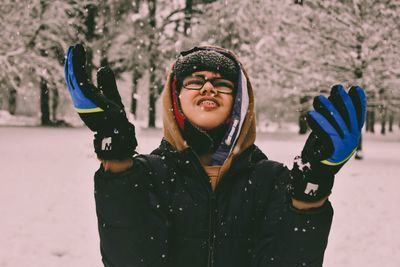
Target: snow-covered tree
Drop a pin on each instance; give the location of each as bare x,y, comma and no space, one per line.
37,34
354,42
292,49
154,32
296,49
252,29
33,41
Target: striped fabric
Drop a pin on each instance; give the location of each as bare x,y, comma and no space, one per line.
239,112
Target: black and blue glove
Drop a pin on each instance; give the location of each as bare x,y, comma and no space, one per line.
336,127
101,108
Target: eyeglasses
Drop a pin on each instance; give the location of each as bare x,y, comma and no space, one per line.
222,85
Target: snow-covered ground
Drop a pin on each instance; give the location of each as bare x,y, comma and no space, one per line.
48,215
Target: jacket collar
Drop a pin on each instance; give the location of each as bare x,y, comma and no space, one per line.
247,159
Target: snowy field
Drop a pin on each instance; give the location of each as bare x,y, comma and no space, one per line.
48,215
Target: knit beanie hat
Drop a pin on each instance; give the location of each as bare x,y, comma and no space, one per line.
201,59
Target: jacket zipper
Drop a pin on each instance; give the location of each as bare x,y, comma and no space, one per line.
211,226
211,237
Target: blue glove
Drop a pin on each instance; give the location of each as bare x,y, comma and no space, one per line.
336,127
101,109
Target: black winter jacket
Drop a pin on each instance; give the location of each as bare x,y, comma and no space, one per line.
163,212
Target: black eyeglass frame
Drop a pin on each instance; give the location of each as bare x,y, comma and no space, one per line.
213,81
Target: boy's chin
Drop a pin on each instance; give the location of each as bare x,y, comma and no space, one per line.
207,126
207,121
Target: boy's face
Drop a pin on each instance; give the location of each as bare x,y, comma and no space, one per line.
210,106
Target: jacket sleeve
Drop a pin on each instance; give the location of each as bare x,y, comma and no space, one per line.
285,236
132,227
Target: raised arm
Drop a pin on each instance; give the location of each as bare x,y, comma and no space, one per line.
100,108
132,229
285,235
295,225
336,125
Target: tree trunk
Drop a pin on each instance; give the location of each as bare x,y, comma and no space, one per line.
152,64
90,23
106,13
370,121
383,120
136,6
12,101
135,80
188,17
152,104
391,120
303,127
44,102
54,104
304,108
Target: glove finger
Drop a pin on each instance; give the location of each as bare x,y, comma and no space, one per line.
342,102
327,109
322,128
79,64
319,124
358,98
78,86
68,70
317,148
107,84
66,73
319,143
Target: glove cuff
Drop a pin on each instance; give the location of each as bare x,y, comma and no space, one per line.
310,182
116,144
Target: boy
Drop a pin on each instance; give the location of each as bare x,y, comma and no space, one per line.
208,196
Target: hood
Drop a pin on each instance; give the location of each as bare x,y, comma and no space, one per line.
242,132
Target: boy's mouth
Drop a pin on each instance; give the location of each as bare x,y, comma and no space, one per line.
208,104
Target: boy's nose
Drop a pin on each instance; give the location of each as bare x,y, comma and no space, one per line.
208,88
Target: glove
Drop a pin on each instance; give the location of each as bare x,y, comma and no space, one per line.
336,127
101,109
